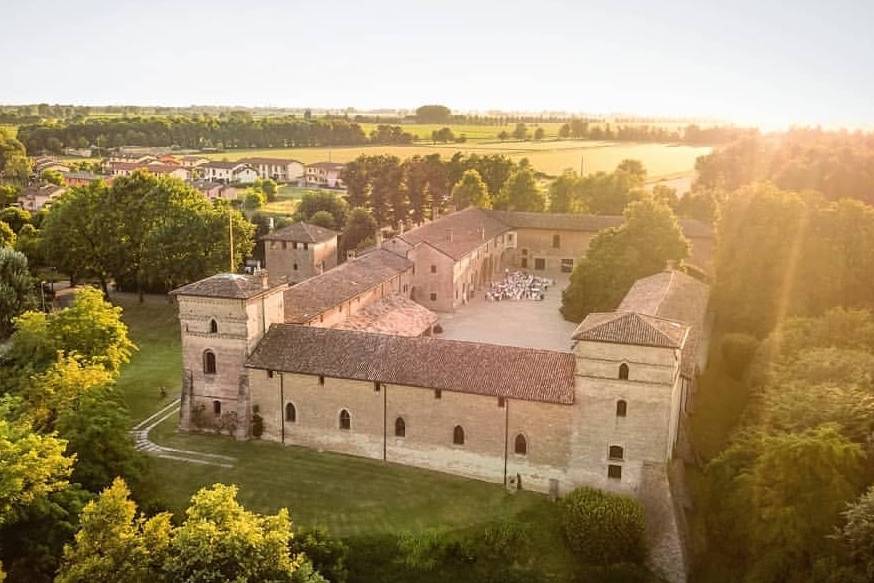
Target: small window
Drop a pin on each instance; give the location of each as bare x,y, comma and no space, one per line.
433,269
539,263
433,297
376,387
501,402
524,252
458,435
621,408
438,394
322,380
623,371
614,472
294,266
400,427
209,362
306,246
290,413
556,241
520,445
213,327
269,374
345,420
217,408
294,244
616,452
567,265
284,245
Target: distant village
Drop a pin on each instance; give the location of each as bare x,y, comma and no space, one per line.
216,179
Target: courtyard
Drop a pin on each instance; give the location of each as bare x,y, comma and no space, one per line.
527,323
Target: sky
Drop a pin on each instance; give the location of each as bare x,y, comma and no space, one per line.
770,63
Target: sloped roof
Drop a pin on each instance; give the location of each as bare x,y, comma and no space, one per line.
301,232
308,299
393,314
456,234
224,164
327,165
631,328
468,367
273,161
582,222
224,285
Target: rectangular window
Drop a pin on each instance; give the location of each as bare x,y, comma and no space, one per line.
438,394
556,241
284,244
433,297
322,380
376,387
524,252
614,472
306,246
567,265
501,402
269,374
294,244
433,269
524,263
539,263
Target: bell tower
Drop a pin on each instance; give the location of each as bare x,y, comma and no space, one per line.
222,318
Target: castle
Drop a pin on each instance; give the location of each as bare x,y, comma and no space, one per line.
346,360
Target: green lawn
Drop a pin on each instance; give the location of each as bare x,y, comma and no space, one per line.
158,362
351,496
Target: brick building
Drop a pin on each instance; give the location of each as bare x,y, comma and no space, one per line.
300,251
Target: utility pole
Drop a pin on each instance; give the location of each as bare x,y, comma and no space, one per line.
231,238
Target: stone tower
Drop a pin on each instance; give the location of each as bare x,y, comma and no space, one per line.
222,318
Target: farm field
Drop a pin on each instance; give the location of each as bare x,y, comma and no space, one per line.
470,131
550,157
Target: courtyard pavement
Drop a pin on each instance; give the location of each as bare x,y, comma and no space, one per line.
527,323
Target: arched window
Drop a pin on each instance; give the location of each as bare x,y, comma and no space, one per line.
209,362
623,371
621,408
458,435
290,413
345,420
616,452
213,327
217,408
400,427
520,446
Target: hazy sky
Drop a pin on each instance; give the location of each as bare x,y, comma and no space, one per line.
804,61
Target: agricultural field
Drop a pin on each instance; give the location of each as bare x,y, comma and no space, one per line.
551,157
470,131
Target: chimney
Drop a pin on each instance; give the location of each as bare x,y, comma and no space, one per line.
670,265
449,233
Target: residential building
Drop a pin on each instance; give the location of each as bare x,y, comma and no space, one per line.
324,175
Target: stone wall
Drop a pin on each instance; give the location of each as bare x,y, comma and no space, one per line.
534,244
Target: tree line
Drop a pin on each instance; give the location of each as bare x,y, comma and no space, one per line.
237,131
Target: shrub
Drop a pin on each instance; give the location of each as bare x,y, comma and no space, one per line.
327,554
738,351
604,528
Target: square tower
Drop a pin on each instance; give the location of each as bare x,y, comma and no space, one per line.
628,397
222,318
300,251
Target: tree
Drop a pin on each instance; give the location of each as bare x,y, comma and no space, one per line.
444,135
564,195
16,288
268,187
503,135
312,203
31,465
634,170
521,131
856,535
90,328
539,134
602,528
222,541
471,191
53,177
253,199
617,257
323,219
564,131
360,228
15,217
521,193
114,543
433,114
327,554
7,236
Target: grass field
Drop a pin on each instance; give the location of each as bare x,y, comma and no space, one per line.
551,157
351,496
287,199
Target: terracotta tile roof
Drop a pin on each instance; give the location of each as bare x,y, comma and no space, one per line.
271,161
223,164
327,165
394,314
224,285
675,296
457,234
581,222
302,233
467,367
631,328
308,299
